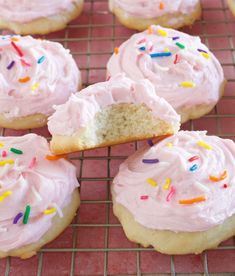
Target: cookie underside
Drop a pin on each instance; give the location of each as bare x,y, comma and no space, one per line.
115,124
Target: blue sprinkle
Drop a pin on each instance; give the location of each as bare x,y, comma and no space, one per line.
150,142
193,168
175,37
150,161
142,48
41,59
164,54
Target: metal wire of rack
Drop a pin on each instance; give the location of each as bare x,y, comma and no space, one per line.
94,244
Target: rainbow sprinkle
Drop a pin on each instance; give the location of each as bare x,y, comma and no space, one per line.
5,195
143,48
10,65
56,157
16,151
161,5
17,217
4,162
141,41
150,161
171,193
17,49
193,168
26,214
24,63
195,157
175,37
167,184
151,182
1,145
24,80
4,153
176,59
204,145
192,200
35,86
162,32
116,50
187,84
164,54
49,211
41,59
150,30
202,51
150,142
144,197
205,55
181,46
219,178
169,145
225,186
33,163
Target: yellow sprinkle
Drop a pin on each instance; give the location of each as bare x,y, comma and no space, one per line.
150,30
169,145
4,195
187,84
152,182
49,211
162,32
35,86
166,49
167,184
4,162
15,39
1,145
205,55
204,145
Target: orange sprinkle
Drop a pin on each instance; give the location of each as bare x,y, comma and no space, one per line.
24,80
116,50
192,200
221,177
14,39
150,30
56,157
161,6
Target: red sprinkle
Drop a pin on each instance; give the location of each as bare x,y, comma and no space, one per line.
24,62
32,163
17,49
108,78
171,193
144,197
141,41
225,186
176,59
4,153
193,158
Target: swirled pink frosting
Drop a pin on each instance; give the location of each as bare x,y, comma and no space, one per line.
34,77
42,184
82,107
24,11
194,64
151,9
163,211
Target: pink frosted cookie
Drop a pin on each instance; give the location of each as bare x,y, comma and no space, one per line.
38,195
139,14
181,68
178,195
112,112
35,75
38,17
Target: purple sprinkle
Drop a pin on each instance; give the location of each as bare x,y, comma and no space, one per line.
200,50
17,217
175,37
150,142
11,65
150,161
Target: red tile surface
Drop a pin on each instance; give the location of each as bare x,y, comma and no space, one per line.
102,246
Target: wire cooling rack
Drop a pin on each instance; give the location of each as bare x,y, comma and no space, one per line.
94,244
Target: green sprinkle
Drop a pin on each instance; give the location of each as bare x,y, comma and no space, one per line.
16,151
26,214
181,46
